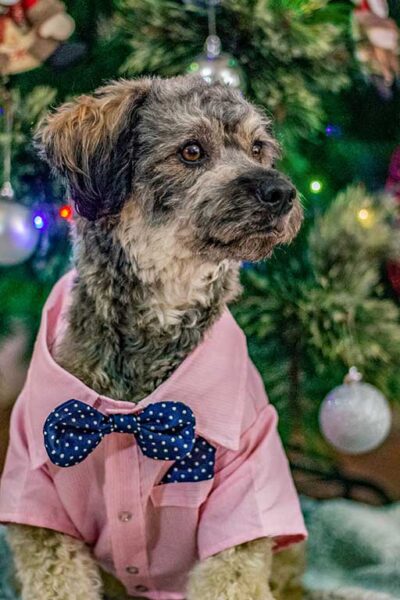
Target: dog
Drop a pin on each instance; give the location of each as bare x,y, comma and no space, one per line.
174,184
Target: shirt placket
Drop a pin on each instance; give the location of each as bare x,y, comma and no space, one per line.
125,513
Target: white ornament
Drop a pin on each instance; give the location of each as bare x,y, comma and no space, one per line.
18,235
222,69
355,417
215,66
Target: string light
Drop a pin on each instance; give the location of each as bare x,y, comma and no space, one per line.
39,221
65,212
333,131
315,186
366,217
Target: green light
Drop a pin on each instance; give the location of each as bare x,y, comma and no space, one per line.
315,186
193,67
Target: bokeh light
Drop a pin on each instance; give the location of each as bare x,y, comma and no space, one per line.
366,217
315,186
39,221
65,212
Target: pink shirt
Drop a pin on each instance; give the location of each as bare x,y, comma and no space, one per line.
150,535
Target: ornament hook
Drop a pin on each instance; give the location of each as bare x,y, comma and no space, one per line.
353,376
7,191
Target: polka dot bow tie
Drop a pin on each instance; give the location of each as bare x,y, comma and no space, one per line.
164,431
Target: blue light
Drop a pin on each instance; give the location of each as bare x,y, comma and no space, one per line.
332,130
38,222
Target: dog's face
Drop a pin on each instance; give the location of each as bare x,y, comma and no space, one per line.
178,166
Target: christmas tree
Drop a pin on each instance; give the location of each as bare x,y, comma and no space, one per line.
24,286
319,306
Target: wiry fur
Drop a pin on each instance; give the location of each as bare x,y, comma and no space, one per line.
130,328
157,246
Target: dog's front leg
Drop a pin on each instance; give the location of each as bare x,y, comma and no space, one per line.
53,566
239,573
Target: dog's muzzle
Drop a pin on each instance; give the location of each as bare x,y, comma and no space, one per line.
278,194
270,188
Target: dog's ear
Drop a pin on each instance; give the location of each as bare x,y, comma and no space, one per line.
91,142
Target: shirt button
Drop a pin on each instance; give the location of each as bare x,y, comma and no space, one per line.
141,588
125,516
132,570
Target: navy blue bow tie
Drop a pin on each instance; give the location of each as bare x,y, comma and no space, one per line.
164,431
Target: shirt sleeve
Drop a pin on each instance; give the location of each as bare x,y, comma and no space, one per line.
28,495
253,494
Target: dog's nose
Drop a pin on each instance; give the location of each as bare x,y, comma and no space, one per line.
278,193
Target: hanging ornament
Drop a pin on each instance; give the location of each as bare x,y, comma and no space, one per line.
18,233
33,32
355,417
377,43
214,65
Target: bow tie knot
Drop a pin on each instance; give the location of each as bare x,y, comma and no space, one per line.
163,431
121,424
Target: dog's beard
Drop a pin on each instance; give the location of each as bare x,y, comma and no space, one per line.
249,240
249,247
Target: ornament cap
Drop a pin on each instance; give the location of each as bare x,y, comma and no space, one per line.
213,46
7,191
353,376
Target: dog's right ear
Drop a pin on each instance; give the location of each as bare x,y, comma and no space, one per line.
91,142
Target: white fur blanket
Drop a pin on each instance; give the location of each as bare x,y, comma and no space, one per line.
353,550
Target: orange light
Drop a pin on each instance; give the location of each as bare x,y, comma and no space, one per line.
65,212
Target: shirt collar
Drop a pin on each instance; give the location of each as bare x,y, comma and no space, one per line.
210,380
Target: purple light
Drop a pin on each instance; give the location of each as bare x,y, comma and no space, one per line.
332,130
39,221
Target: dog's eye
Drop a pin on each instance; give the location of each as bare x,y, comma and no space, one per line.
192,153
257,149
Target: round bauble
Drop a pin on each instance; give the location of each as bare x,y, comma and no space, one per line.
355,417
222,69
18,235
215,66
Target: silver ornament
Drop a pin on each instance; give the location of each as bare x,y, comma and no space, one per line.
355,417
214,66
18,235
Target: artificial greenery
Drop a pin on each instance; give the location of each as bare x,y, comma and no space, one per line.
318,307
289,50
24,288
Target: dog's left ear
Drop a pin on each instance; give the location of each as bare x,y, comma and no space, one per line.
91,142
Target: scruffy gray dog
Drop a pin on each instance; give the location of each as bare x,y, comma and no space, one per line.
174,184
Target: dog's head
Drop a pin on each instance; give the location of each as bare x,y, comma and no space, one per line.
177,167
